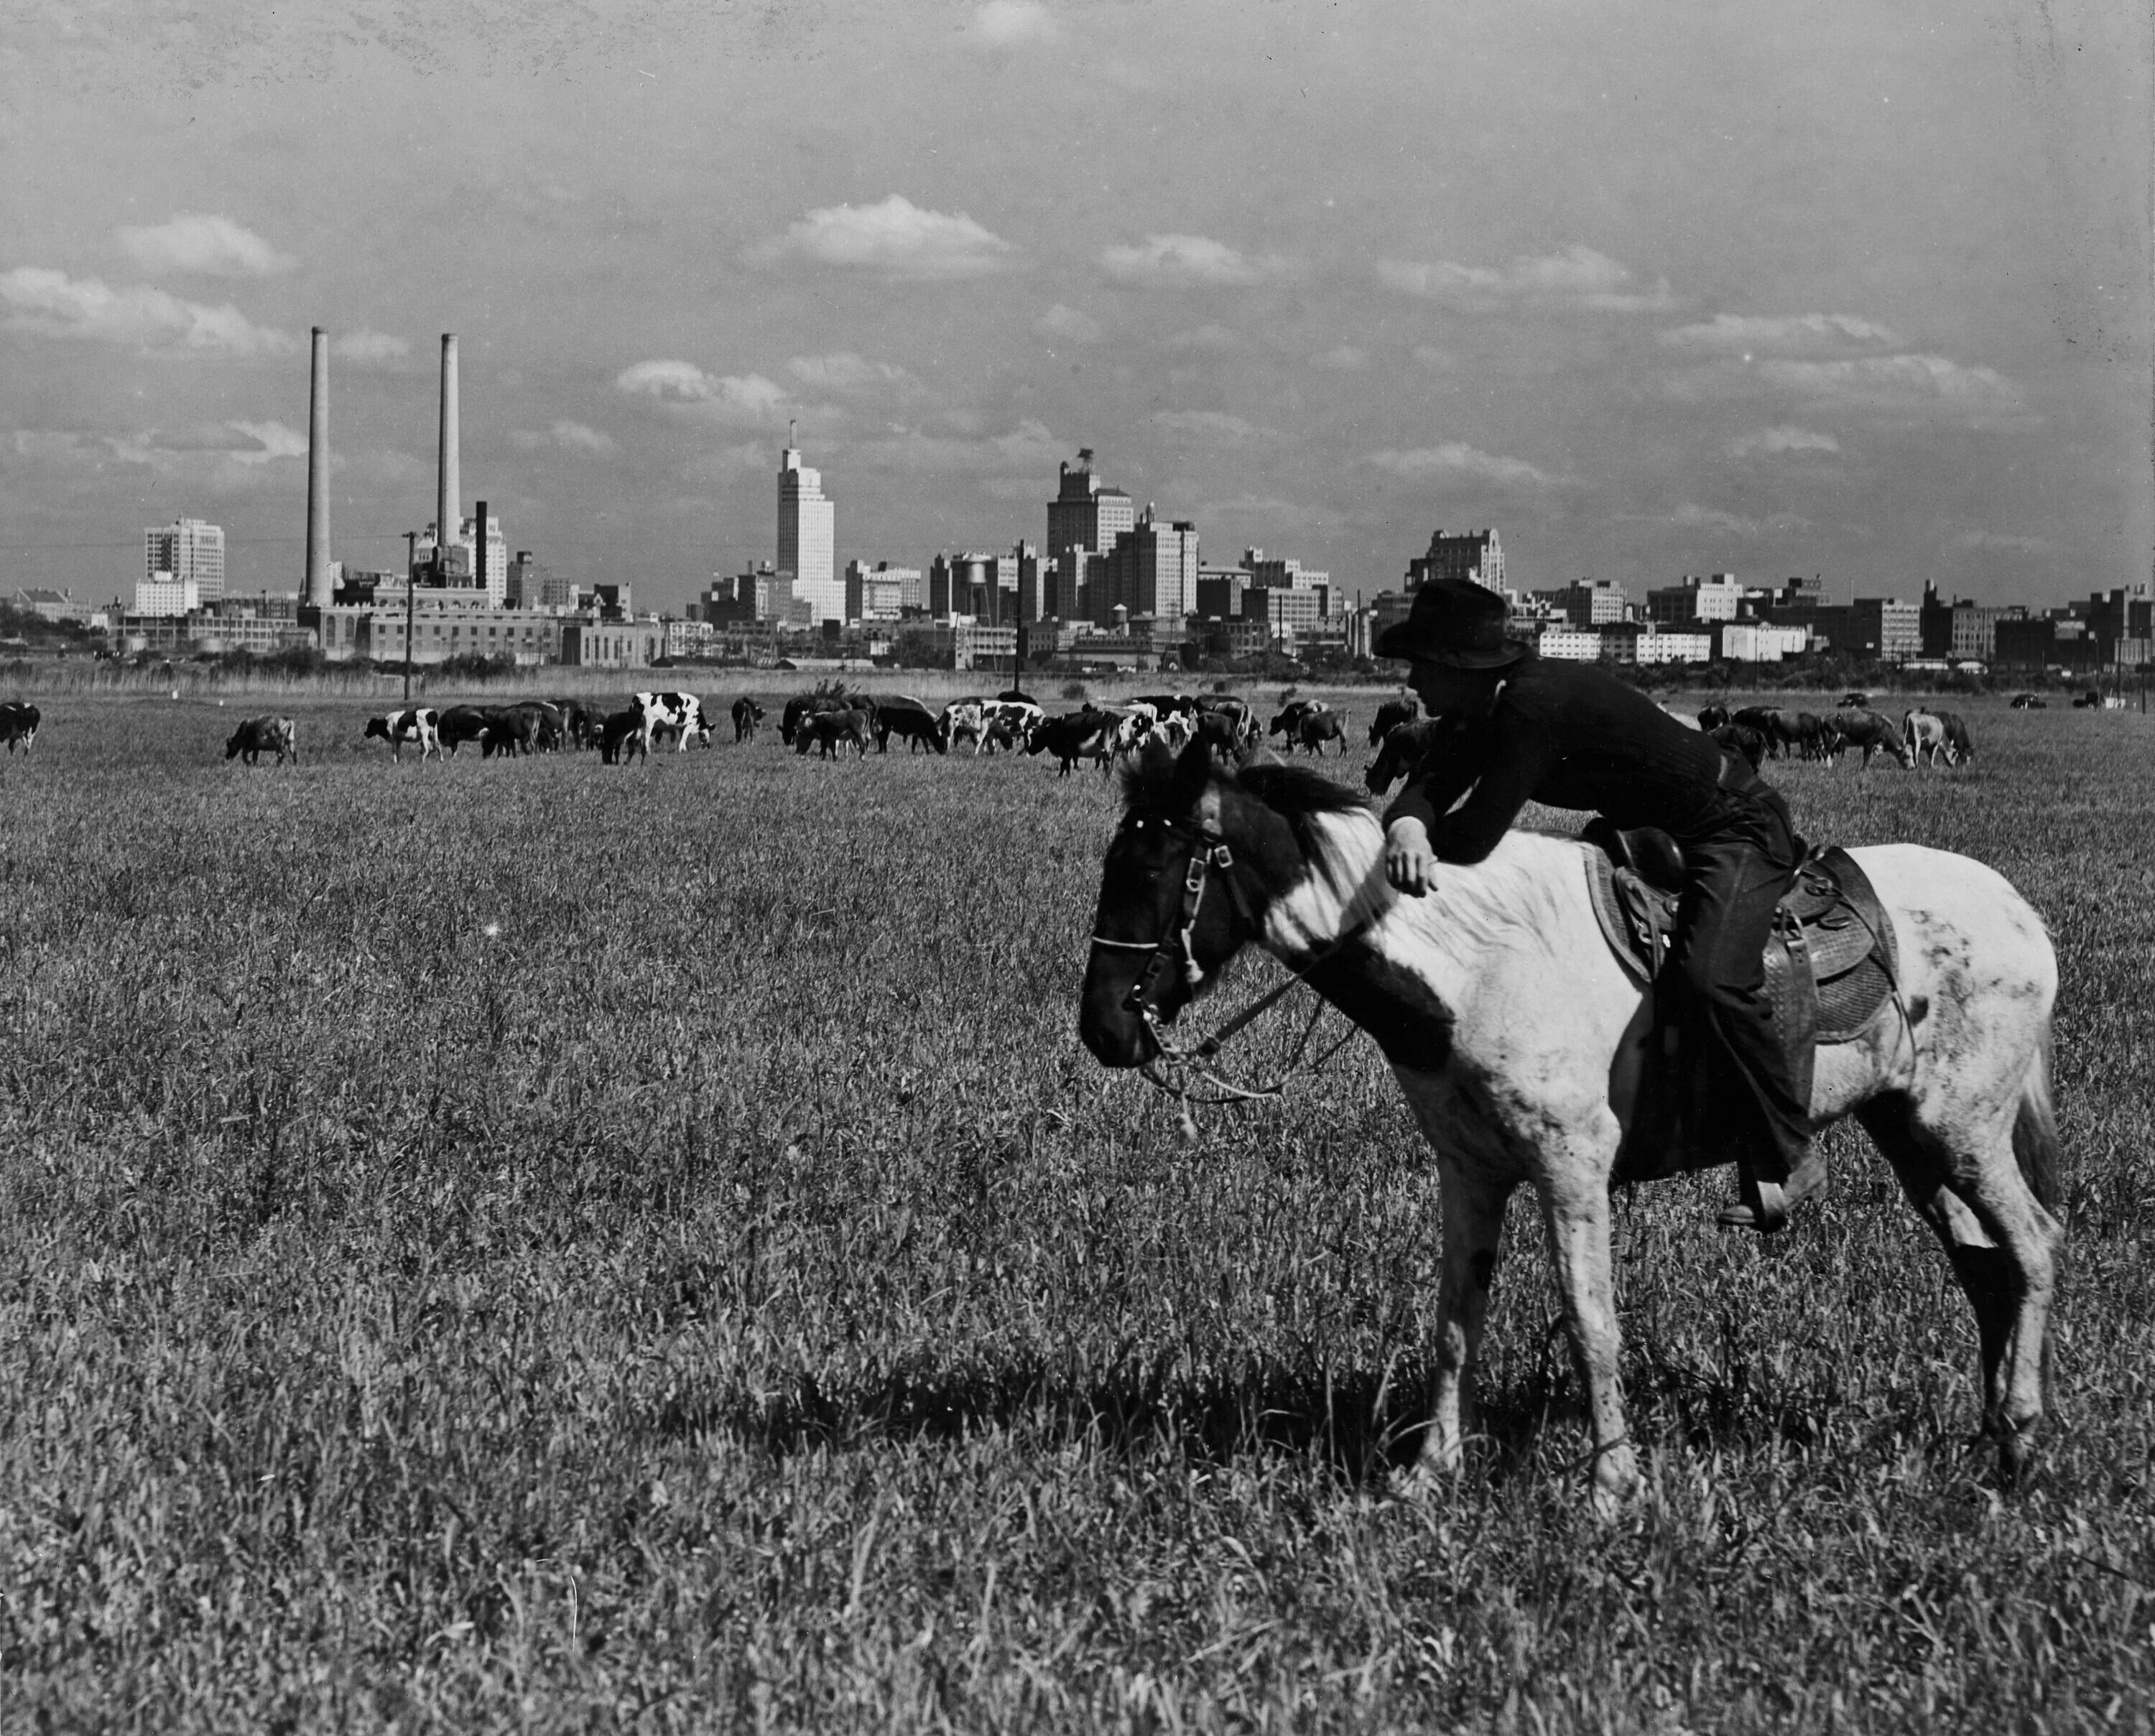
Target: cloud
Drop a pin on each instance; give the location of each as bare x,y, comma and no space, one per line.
1028,449
272,440
1429,356
205,246
50,303
1347,358
1182,262
1208,336
1455,457
1799,334
1066,323
843,371
1692,516
739,399
896,239
2001,542
1011,23
1213,425
1770,442
1578,277
567,435
1899,384
210,458
369,349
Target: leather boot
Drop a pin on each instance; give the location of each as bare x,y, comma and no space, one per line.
1763,1205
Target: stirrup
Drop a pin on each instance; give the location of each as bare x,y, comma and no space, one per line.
1769,1216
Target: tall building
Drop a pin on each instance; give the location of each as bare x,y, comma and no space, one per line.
1717,598
808,539
1084,513
1152,570
186,550
1476,555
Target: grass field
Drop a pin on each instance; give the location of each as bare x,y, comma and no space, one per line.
540,1245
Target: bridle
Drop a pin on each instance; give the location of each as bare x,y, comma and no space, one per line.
1208,850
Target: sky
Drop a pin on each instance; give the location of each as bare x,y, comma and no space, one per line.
1846,288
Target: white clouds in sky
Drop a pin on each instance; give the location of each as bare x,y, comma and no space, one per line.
1770,442
1578,277
1346,358
50,303
748,398
272,440
1065,323
1896,384
1212,335
1456,458
564,435
205,246
843,371
1184,261
1029,450
895,239
1213,427
1011,23
369,349
1798,333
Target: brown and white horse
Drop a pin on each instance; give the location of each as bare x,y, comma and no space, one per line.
1517,1038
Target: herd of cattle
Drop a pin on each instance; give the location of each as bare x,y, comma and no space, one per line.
828,722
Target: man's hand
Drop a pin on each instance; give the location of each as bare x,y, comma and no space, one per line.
1409,864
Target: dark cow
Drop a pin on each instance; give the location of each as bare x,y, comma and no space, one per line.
1406,745
1805,732
419,723
1392,715
1317,728
1960,749
1235,711
1018,696
259,735
548,731
2030,702
460,723
1767,721
1868,730
510,730
747,715
1740,740
1288,723
1074,736
801,705
911,721
18,722
621,736
679,714
1855,702
1712,717
829,730
581,722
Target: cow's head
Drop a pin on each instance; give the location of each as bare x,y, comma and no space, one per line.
376,726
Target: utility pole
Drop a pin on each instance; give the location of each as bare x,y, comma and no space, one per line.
410,601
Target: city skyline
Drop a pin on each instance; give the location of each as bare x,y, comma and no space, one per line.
1827,291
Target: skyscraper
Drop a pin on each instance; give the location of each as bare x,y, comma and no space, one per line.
187,548
808,539
1085,514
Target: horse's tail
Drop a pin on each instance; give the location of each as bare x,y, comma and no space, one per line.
2035,1131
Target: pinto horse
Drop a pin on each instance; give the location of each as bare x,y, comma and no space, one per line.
1519,1040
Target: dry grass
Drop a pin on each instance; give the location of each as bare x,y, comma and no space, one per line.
539,1245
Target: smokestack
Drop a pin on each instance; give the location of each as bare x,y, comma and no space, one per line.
319,590
478,544
448,492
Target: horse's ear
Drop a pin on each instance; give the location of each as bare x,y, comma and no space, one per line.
1193,771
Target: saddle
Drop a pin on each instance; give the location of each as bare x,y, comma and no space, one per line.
1830,958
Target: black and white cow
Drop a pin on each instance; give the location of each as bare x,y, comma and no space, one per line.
1007,722
417,723
963,719
259,735
678,714
1960,748
18,722
1075,735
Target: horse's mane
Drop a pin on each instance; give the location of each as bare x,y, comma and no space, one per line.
1295,793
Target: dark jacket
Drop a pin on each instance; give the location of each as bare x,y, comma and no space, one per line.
1567,735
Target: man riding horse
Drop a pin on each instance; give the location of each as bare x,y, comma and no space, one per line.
1572,735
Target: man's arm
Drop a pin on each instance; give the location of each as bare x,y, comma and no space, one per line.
1512,771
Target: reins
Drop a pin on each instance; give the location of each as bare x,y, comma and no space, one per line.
1208,851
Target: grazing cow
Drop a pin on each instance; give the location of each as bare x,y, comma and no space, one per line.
680,714
1318,727
258,735
1075,735
1712,717
2030,702
1767,721
1869,732
416,724
1855,702
620,737
1737,739
962,717
1016,716
547,730
1925,734
801,705
510,730
910,720
1960,750
1235,711
1288,723
458,725
18,722
1391,715
581,722
829,729
1805,732
1019,696
747,715
1406,746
